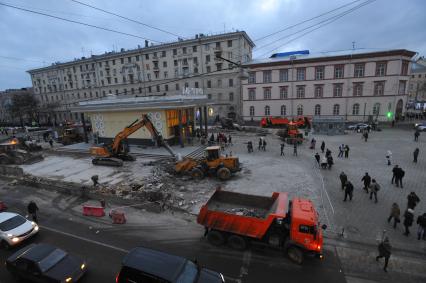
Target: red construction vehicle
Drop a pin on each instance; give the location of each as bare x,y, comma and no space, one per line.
300,122
238,219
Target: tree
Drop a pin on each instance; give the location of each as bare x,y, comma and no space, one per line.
24,106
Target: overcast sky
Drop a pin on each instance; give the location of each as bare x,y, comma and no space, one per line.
30,41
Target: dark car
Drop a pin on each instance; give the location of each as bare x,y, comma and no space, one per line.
143,265
45,263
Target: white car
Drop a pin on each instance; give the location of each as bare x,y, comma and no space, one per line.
420,126
360,126
14,229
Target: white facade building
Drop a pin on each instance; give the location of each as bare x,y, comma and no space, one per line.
359,86
164,69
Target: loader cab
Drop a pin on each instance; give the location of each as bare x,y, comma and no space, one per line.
212,153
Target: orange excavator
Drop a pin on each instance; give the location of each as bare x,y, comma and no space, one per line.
118,151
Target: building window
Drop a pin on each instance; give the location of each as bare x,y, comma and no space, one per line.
149,89
158,88
267,93
218,44
336,109
358,89
337,90
355,109
359,70
184,50
267,110
267,76
380,69
301,74
317,110
300,109
147,56
140,90
174,51
231,96
251,111
196,85
165,64
195,70
401,88
300,92
209,84
229,43
207,58
379,88
209,96
283,110
318,91
404,68
283,92
252,78
252,94
207,47
231,82
208,69
319,73
376,109
219,83
194,48
284,75
177,86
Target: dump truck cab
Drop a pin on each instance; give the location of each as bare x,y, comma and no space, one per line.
304,230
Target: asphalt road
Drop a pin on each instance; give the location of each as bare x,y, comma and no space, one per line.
104,247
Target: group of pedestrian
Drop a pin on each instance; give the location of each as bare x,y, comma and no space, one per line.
343,149
221,139
397,175
262,144
324,162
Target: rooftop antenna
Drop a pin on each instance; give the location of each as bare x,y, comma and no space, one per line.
353,45
82,50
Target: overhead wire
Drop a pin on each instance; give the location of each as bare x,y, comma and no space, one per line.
77,22
126,18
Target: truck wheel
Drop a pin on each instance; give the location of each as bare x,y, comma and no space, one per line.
237,243
197,174
295,254
224,173
216,238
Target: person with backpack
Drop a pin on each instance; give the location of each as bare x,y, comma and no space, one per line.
384,251
374,188
408,220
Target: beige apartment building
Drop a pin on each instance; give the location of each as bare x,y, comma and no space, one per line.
183,67
356,85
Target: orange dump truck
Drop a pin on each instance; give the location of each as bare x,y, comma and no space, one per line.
238,219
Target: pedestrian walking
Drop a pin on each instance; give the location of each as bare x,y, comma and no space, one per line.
282,149
51,142
346,151
367,181
330,161
412,200
250,147
341,149
32,210
264,145
95,180
385,250
322,146
295,149
230,139
408,220
374,188
416,154
389,158
365,135
395,214
324,162
343,179
327,153
416,135
317,158
394,170
421,231
399,174
313,143
260,144
349,189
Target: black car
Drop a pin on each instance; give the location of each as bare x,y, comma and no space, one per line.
45,263
143,265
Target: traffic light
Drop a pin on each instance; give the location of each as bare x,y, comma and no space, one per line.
389,115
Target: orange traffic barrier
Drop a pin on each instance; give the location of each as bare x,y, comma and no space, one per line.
118,217
96,211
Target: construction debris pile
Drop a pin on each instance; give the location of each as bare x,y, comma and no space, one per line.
249,212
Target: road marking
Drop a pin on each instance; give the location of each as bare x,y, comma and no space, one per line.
85,239
246,263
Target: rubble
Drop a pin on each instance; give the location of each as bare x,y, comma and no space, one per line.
246,212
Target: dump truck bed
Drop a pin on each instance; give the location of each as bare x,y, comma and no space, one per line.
242,214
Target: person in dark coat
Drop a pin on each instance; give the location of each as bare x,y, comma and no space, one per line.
51,142
260,144
349,189
399,174
346,151
374,188
322,146
413,200
367,181
421,232
408,220
416,154
343,179
32,210
282,149
317,158
416,135
385,250
264,145
327,153
295,149
250,147
394,170
230,139
395,214
365,136
330,161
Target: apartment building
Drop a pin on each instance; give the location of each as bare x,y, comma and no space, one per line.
356,85
182,67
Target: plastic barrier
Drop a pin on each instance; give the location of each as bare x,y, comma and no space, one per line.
96,211
118,217
3,206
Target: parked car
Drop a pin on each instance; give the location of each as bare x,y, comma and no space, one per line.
420,126
14,229
356,126
146,265
45,263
